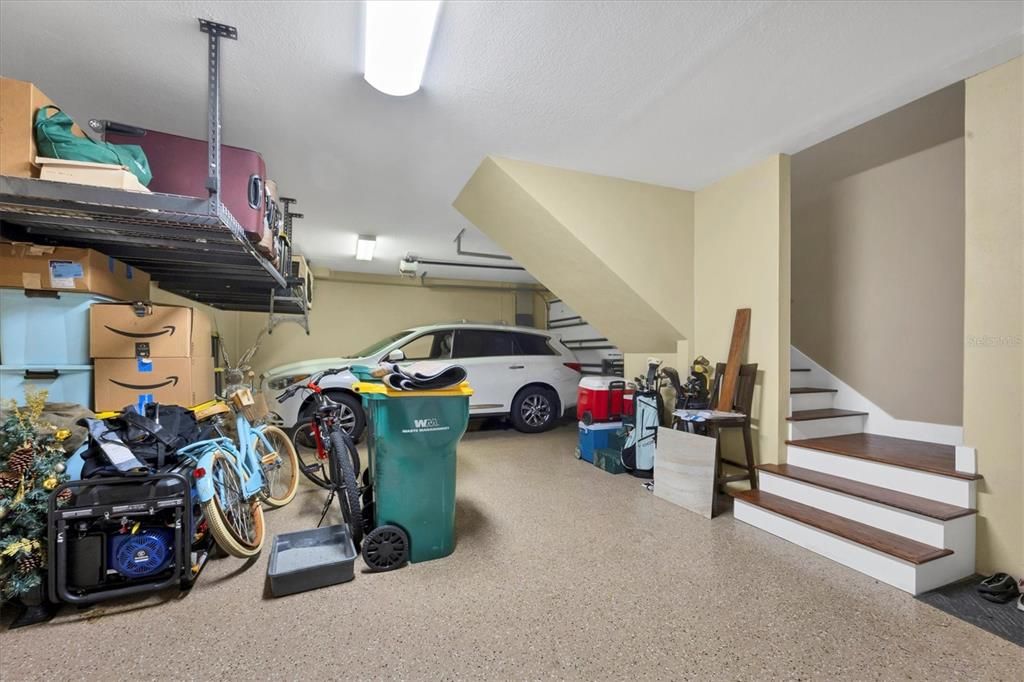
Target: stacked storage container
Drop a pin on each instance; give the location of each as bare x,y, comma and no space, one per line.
44,317
150,354
44,344
601,405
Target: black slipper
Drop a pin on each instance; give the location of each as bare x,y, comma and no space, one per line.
999,588
997,582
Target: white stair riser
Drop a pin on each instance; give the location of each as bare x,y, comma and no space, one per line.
896,572
955,534
966,459
823,428
923,484
801,379
810,401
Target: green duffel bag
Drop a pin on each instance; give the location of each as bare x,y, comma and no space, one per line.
55,140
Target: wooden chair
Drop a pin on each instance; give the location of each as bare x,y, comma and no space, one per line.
742,404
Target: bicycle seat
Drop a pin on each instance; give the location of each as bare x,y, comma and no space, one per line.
327,406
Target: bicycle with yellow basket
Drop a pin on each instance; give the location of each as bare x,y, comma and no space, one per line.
235,475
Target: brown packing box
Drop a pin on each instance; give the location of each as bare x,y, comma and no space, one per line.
19,101
87,173
164,331
62,268
169,381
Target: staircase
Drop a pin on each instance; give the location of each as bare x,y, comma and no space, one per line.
892,508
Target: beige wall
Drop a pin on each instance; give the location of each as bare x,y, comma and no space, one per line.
993,414
693,259
602,212
742,230
560,224
350,315
878,253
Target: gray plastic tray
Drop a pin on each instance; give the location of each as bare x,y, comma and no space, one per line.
308,559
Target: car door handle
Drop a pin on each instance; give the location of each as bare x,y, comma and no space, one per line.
517,367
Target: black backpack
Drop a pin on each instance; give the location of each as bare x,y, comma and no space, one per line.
153,437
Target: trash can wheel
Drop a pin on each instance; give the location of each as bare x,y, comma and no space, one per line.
386,548
578,453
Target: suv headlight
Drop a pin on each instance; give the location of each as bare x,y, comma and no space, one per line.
284,382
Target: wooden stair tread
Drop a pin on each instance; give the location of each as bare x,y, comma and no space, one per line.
826,413
873,493
933,458
805,389
879,540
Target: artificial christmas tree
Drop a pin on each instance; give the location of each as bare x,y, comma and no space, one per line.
31,465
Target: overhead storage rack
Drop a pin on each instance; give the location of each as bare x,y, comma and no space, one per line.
192,246
189,251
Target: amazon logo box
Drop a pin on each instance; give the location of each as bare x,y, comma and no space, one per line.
124,330
120,382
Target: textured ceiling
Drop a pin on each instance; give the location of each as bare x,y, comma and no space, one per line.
675,93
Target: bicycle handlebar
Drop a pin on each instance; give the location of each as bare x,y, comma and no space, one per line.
312,380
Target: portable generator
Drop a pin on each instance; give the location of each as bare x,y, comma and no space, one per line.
125,535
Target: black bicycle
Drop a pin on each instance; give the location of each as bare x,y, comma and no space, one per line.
334,463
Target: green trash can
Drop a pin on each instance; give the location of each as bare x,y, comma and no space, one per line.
412,445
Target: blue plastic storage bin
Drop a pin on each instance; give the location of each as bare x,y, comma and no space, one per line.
67,384
593,437
42,330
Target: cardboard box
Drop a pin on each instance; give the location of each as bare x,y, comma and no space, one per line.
163,331
19,101
169,381
62,268
88,173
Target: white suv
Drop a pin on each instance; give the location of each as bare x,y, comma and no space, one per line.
525,373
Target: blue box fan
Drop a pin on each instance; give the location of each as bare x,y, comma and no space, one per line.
141,554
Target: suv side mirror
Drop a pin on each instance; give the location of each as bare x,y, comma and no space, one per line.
396,355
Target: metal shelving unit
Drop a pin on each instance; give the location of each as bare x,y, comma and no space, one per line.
192,246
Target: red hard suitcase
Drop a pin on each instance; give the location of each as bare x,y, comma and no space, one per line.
179,167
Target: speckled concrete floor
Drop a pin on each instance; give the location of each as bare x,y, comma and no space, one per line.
561,571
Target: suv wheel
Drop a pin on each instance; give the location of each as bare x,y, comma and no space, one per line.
353,418
534,409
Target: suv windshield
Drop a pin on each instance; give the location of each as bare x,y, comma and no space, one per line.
378,346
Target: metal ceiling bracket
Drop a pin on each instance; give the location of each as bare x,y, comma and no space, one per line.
289,215
288,294
278,319
215,32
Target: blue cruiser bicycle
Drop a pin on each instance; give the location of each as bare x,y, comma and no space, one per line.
234,477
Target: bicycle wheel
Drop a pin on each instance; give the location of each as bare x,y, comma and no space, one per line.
310,464
236,523
346,487
280,466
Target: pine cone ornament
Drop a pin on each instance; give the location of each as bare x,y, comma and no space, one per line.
64,495
28,563
21,459
9,480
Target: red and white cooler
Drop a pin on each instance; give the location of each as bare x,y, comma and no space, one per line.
603,399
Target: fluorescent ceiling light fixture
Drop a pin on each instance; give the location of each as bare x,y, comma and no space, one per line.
365,244
397,42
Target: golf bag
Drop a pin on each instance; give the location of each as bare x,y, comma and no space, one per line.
642,438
